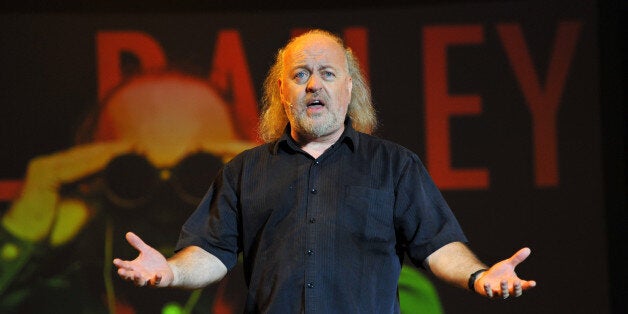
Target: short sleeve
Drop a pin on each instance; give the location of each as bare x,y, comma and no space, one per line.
214,225
424,222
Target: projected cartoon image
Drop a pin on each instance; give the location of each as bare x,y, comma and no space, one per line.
156,143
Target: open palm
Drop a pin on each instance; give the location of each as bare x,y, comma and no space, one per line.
150,268
501,280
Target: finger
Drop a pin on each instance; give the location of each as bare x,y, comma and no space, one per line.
488,290
529,284
140,281
504,286
518,290
136,241
141,284
136,280
151,281
520,256
123,264
124,274
126,270
157,279
83,160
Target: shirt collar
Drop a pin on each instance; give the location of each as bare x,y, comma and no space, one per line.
349,137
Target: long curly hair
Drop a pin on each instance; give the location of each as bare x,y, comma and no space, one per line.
273,118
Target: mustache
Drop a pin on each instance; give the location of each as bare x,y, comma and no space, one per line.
315,99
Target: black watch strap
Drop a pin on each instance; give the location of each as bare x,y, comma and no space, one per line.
473,277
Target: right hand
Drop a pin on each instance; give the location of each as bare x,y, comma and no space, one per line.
150,268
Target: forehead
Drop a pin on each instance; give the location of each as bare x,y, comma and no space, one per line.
317,48
165,106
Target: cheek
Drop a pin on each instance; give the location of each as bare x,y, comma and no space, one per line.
345,96
290,91
289,111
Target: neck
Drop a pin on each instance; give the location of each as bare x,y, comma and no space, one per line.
316,146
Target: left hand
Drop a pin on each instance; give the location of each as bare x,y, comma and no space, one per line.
501,280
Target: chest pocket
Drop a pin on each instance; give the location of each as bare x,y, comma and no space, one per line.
368,213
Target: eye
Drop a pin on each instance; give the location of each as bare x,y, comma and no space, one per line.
328,75
301,76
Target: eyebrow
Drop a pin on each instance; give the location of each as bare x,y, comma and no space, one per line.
318,68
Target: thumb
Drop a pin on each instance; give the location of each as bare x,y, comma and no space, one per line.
520,256
136,242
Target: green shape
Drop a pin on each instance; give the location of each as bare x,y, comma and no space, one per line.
172,308
416,293
9,252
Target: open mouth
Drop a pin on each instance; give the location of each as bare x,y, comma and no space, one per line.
315,103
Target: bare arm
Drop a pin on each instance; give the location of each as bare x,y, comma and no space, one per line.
455,262
190,268
194,268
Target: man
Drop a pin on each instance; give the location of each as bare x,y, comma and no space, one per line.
323,213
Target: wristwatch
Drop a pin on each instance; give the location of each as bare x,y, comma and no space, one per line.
473,277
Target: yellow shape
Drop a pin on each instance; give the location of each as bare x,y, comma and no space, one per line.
9,252
165,174
71,217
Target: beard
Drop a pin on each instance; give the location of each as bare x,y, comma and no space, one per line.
317,124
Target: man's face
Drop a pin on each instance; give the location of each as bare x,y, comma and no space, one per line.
315,86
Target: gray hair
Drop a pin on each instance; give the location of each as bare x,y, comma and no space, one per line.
273,118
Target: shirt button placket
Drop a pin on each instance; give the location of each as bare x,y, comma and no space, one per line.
310,262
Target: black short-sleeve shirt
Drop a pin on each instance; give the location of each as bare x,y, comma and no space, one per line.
324,235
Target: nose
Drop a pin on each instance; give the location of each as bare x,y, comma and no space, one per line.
313,84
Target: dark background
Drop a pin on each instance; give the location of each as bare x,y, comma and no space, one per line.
610,50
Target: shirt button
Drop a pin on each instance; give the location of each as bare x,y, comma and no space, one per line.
310,285
309,252
314,191
312,220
